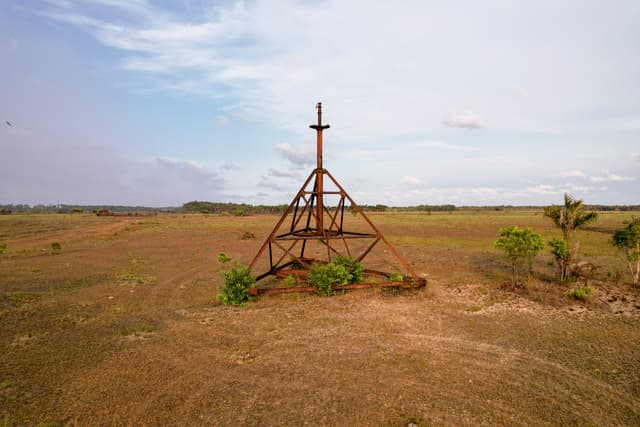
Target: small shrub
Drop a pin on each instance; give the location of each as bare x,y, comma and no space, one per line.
56,247
3,247
353,267
396,277
582,293
223,258
247,235
289,280
520,245
324,276
237,283
562,254
627,240
238,212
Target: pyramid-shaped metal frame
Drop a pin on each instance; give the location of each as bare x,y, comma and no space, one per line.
308,211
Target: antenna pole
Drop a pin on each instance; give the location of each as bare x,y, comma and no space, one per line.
319,172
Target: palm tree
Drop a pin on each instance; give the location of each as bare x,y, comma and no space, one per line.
569,217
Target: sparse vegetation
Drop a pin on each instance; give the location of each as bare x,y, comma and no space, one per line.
581,293
247,235
324,276
223,258
520,245
56,247
3,247
396,277
353,267
570,216
340,271
237,283
562,255
627,240
439,349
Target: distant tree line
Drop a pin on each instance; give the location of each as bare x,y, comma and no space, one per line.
248,209
63,208
238,209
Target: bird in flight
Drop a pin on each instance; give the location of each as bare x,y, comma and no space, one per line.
8,123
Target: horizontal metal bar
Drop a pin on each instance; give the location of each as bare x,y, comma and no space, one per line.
419,283
323,192
328,237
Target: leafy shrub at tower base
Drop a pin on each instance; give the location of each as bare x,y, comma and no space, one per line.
238,283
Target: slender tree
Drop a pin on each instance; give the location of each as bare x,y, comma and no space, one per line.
627,239
570,216
519,245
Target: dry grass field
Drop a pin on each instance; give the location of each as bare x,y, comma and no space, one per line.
122,327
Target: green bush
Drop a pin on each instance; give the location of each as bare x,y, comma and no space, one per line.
627,240
562,254
396,277
520,245
223,258
3,247
353,267
324,276
56,247
237,283
581,293
290,280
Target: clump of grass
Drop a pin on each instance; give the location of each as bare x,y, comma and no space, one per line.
581,293
396,277
289,280
247,235
223,258
3,247
56,247
17,298
140,331
128,276
6,384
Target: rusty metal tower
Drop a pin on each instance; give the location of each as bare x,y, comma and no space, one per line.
312,220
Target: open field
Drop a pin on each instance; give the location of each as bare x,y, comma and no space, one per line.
121,326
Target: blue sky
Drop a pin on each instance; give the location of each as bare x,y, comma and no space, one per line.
472,103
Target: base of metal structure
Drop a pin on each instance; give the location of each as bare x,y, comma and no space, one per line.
291,241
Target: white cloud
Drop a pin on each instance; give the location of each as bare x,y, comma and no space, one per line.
299,155
583,188
59,3
577,173
410,180
103,176
230,166
544,189
260,53
282,174
441,145
466,120
266,182
611,177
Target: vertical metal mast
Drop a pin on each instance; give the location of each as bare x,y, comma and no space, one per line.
319,172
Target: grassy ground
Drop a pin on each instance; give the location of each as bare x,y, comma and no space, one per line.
121,326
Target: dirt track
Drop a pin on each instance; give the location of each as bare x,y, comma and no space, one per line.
122,327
